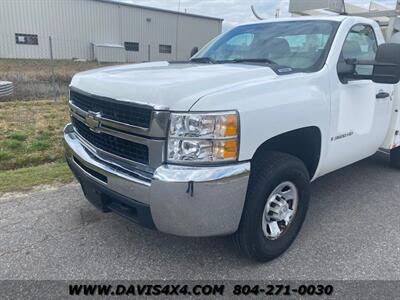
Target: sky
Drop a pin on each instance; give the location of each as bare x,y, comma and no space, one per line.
235,11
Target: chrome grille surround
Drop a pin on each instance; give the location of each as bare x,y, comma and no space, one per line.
123,112
112,144
154,137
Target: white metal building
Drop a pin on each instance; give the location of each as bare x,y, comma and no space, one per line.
100,29
387,17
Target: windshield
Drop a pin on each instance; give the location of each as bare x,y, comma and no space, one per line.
300,45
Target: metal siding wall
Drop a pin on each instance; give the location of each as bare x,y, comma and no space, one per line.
195,32
109,54
136,28
15,18
75,24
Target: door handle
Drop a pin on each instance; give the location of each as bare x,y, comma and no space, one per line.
382,95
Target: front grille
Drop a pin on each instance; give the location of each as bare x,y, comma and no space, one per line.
113,110
112,144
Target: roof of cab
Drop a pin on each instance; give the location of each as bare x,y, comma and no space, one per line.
307,18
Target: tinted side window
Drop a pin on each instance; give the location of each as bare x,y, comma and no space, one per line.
130,46
26,39
241,40
360,44
167,49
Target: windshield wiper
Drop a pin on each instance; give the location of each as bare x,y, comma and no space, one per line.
203,60
209,60
252,60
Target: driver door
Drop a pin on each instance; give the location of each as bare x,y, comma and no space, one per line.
360,108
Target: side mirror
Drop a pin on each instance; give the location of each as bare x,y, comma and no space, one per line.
387,64
345,70
194,51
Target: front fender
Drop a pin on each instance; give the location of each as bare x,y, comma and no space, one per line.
274,106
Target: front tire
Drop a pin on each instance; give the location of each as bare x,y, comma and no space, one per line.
276,206
395,157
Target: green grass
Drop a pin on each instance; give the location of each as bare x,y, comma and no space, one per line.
18,136
40,145
31,148
25,178
5,155
31,133
13,145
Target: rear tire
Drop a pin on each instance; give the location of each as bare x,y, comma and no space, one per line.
395,157
258,238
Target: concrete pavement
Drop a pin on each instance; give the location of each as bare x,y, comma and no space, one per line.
352,231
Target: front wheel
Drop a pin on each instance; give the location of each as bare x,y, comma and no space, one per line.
276,205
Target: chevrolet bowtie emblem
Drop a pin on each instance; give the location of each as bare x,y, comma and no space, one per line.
92,120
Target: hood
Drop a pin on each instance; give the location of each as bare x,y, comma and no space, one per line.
174,86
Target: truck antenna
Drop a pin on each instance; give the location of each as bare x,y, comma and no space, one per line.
344,12
256,14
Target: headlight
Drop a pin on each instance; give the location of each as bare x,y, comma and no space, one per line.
203,137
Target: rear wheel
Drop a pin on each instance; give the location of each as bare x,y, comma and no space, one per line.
276,205
395,157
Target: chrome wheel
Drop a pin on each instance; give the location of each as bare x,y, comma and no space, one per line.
280,209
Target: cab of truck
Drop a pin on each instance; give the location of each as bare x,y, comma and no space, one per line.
228,142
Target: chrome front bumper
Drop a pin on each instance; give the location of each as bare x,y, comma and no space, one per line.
185,201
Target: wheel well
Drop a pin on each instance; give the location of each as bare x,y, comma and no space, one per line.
304,143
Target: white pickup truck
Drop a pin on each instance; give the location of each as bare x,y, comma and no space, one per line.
228,142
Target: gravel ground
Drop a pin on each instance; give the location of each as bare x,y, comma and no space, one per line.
352,231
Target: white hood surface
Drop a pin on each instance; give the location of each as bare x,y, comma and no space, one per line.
174,86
